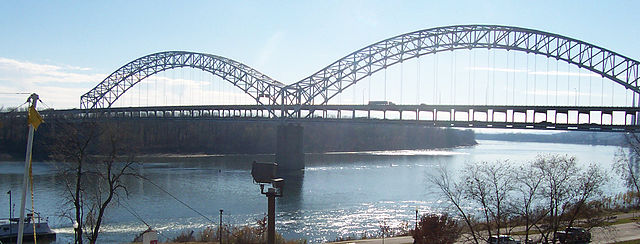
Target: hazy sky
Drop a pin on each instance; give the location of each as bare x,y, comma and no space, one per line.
62,49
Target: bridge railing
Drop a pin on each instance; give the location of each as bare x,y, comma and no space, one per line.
620,119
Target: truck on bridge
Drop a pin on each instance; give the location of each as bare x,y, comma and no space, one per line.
378,103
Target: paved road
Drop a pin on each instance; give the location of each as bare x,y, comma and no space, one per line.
621,232
391,240
613,234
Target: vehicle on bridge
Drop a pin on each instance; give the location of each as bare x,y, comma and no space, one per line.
378,103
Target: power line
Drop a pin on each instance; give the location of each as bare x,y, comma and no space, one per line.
180,201
130,210
16,108
134,214
45,104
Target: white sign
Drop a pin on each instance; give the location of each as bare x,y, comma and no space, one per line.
150,237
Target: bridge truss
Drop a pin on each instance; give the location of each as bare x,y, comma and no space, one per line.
325,84
252,82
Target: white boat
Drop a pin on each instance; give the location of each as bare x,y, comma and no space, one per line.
9,229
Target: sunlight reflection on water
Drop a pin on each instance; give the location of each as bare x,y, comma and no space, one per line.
339,194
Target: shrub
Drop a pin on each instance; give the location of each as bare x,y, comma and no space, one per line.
185,236
434,228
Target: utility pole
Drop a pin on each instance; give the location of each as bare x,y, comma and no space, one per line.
27,163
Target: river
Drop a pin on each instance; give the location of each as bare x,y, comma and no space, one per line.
339,194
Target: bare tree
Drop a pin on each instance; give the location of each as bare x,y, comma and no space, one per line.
453,193
627,165
565,190
525,204
92,170
489,185
558,173
587,186
546,194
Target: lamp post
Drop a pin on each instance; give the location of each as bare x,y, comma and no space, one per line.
416,218
10,214
75,231
264,173
271,219
220,227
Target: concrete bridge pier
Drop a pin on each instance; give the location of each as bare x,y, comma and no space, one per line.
289,147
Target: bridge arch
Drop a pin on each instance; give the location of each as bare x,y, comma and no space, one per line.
345,72
252,82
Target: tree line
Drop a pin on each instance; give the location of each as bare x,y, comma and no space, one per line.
574,137
218,137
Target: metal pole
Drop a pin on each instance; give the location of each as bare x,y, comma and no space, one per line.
220,228
416,218
271,218
25,179
75,231
10,214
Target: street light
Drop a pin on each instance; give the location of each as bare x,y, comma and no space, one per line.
265,173
220,227
75,231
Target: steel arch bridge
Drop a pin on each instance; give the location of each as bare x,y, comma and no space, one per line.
252,82
325,84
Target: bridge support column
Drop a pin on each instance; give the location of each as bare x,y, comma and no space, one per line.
289,147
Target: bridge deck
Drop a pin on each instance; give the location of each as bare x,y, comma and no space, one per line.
618,119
